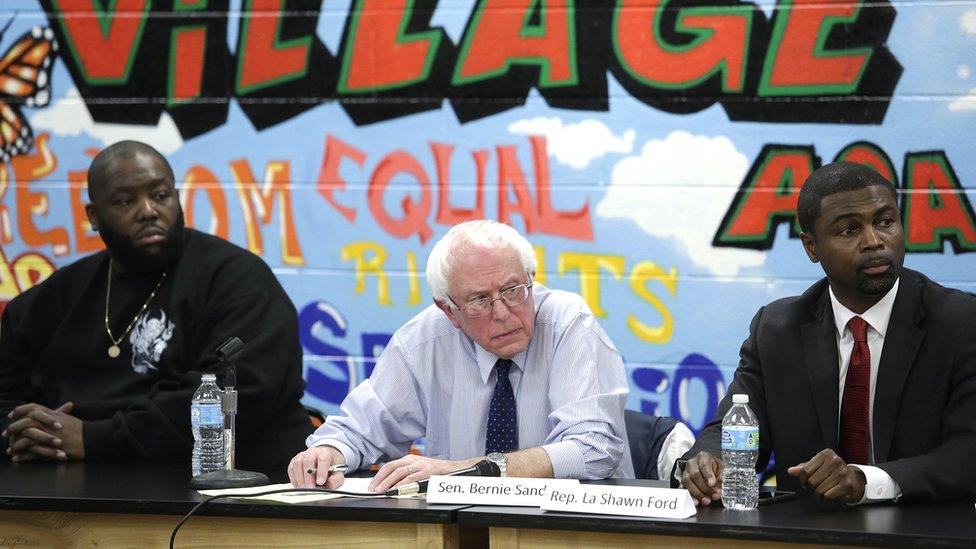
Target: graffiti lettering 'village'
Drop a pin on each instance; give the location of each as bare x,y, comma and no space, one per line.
651,151
677,56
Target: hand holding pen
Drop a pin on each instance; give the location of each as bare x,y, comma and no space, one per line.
319,466
338,468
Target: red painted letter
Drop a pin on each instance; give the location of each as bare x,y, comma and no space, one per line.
721,44
499,35
767,196
379,55
200,178
510,173
329,178
871,155
935,209
414,212
102,43
446,214
28,169
575,225
797,63
186,63
264,60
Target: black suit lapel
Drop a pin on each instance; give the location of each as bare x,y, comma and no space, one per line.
902,340
820,354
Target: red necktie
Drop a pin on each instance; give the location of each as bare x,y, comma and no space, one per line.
855,438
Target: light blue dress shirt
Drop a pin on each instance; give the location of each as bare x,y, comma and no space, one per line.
434,381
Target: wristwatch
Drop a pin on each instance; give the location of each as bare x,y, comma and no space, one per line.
501,461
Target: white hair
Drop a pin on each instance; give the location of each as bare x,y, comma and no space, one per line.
480,233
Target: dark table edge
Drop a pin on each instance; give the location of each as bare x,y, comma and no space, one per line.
483,517
177,509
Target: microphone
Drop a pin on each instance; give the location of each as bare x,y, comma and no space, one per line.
229,476
225,354
483,468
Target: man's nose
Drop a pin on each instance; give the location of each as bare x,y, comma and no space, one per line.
871,239
147,209
499,311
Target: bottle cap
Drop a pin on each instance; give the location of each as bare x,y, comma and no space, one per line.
208,377
740,399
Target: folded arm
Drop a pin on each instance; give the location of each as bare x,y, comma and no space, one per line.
587,392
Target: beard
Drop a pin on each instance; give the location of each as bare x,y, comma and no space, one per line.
140,261
880,284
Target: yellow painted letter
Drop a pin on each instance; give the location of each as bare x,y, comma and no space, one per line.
358,251
642,272
589,268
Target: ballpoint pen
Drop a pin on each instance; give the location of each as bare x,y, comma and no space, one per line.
340,468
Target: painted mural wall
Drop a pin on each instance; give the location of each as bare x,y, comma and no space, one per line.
652,151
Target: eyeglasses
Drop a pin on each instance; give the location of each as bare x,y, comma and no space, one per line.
481,306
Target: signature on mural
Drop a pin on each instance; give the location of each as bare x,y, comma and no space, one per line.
25,78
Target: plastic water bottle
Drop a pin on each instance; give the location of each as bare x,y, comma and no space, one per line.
207,422
740,449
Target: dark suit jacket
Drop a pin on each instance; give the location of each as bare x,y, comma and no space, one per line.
925,397
646,436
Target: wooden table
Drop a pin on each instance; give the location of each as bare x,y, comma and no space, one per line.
104,504
802,522
138,504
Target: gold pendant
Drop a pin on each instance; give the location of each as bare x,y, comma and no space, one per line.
113,351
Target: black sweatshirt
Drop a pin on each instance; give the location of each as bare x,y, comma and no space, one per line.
54,349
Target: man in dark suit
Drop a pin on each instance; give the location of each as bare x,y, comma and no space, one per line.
865,385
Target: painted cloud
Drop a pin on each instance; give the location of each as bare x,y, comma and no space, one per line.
968,22
576,145
679,188
964,103
68,116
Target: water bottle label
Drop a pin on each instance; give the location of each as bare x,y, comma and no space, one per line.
740,438
206,415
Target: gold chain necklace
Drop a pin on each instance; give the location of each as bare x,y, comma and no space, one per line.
113,350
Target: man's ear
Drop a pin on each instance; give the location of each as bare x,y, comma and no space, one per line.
809,246
92,218
449,311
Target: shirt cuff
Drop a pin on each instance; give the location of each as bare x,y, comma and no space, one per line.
679,469
567,460
675,445
351,456
879,486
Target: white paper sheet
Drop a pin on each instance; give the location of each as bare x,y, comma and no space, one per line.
358,485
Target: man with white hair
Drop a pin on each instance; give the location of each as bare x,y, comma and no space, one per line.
498,366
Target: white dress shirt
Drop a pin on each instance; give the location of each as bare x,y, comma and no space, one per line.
675,445
880,486
434,381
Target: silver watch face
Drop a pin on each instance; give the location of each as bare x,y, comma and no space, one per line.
501,461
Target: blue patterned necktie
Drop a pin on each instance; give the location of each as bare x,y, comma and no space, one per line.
502,432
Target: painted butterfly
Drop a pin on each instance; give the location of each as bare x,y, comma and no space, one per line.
25,78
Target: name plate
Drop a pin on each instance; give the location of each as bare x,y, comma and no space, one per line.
622,500
518,492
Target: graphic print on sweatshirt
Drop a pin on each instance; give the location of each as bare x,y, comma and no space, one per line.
149,339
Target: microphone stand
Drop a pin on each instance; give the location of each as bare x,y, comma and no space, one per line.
229,477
